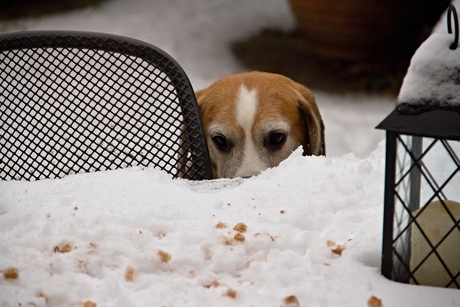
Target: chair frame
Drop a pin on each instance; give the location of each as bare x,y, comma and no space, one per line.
39,111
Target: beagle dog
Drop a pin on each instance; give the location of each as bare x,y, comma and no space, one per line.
255,120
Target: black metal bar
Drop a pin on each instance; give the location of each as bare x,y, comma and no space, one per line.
452,11
389,204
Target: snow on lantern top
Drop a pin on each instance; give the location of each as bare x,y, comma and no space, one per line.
433,78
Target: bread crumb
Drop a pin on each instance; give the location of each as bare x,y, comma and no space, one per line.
129,273
92,245
67,247
282,212
374,302
11,273
291,301
330,243
239,237
221,225
338,250
214,284
230,293
164,256
89,304
240,227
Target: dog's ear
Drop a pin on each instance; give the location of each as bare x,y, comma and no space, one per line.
199,99
203,98
313,131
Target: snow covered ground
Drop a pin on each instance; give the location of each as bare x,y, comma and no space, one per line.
307,233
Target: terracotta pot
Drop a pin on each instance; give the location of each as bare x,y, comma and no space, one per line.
366,29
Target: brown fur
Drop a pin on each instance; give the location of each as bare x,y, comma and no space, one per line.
279,99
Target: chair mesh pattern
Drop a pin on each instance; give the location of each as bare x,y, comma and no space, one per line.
75,102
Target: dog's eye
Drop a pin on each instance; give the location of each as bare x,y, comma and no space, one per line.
275,140
221,142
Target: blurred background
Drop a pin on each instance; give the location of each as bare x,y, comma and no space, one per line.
353,54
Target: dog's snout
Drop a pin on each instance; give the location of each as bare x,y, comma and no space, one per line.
245,172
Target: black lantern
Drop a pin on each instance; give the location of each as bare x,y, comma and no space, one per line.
421,232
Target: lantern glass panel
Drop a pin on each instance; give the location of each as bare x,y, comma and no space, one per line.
426,228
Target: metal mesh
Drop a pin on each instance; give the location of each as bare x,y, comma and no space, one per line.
426,224
74,102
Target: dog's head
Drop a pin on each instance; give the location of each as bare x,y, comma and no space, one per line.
253,121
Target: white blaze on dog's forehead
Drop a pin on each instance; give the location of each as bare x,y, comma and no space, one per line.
246,106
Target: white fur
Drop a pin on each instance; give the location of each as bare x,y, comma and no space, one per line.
246,107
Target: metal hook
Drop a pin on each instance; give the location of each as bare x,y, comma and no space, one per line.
452,11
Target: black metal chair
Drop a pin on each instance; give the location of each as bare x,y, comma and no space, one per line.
76,102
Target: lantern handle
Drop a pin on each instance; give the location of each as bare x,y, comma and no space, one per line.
452,11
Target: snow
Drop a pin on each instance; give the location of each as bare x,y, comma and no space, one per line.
136,237
119,221
433,77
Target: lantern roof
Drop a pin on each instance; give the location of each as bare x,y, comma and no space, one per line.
441,124
428,103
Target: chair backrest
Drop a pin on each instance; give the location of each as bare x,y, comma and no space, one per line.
74,102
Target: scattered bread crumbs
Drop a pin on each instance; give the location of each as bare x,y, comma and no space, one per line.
214,284
129,273
11,273
164,256
230,293
67,247
338,250
221,225
239,237
89,304
240,227
374,302
291,301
